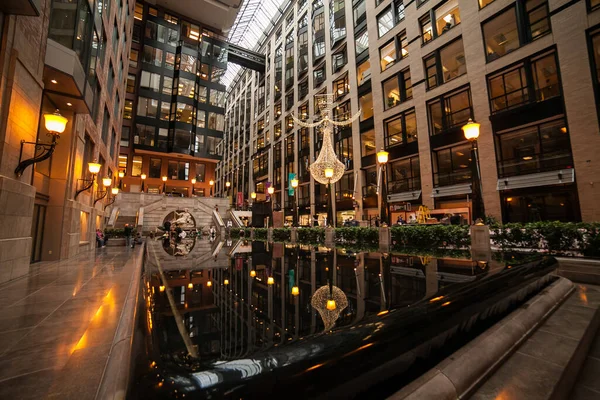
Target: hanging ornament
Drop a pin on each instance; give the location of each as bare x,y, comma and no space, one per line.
329,301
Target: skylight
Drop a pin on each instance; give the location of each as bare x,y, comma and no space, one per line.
253,23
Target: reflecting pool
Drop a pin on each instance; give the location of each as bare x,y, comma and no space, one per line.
264,320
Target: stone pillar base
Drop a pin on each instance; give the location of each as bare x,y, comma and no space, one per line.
329,237
385,239
251,233
294,235
270,235
480,238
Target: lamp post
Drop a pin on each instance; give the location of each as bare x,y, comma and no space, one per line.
211,183
115,192
253,197
121,175
94,168
271,191
193,185
294,184
471,131
106,182
164,179
55,124
143,176
329,175
382,158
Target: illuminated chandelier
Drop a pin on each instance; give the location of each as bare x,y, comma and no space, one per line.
329,301
327,159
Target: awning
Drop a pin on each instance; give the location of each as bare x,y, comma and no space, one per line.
443,191
404,196
558,177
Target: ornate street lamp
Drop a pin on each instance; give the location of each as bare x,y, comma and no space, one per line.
115,192
271,191
106,182
55,125
211,183
270,280
121,175
253,274
193,185
294,182
143,176
94,168
471,131
382,158
164,179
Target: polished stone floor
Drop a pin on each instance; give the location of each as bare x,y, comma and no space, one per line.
57,325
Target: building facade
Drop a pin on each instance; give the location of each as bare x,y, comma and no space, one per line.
174,104
526,70
70,57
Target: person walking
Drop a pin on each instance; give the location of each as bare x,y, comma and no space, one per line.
128,231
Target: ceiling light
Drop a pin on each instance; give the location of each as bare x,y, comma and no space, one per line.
389,59
527,158
54,81
69,104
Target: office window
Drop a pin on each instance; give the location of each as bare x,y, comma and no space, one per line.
397,89
167,86
105,125
402,44
216,121
185,87
341,87
201,119
539,148
136,166
302,21
138,13
319,75
593,4
361,42
147,107
400,129
184,112
318,35
339,59
128,109
302,53
172,19
165,110
178,170
302,89
217,98
445,64
483,3
125,135
202,93
122,163
509,88
152,11
133,58
405,175
216,74
367,143
150,81
387,55
385,21
338,20
360,12
154,169
500,33
169,60
366,106
200,172
452,166
182,139
363,72
451,110
144,135
163,137
152,56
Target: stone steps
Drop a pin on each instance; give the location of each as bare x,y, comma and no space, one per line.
579,269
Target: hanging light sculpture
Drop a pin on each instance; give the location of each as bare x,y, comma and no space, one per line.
327,159
329,301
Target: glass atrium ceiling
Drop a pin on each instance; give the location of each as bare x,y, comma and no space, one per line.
252,25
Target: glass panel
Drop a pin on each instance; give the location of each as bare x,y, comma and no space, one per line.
136,166
426,30
500,35
394,131
367,143
366,106
452,58
435,117
154,169
387,55
362,42
545,75
410,120
391,93
537,15
447,16
363,72
385,22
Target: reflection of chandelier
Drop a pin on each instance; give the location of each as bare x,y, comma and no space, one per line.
327,159
329,302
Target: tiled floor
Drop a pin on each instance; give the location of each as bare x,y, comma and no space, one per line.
57,324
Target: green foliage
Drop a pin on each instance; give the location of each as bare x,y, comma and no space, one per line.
431,236
117,233
236,233
552,236
311,235
260,233
358,235
282,235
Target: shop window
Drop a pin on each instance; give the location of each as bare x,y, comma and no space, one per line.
501,33
363,72
451,110
400,129
534,149
445,64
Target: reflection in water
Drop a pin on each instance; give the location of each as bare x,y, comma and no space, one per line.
221,321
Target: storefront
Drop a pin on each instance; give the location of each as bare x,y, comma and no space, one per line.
406,210
346,215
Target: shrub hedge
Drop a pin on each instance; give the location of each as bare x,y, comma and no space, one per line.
282,234
311,235
357,235
431,236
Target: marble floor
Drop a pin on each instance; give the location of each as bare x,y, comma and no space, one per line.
57,324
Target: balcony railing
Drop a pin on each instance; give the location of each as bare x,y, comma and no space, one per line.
534,163
452,178
404,185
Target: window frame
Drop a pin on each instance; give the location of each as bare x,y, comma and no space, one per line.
436,56
444,102
405,137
